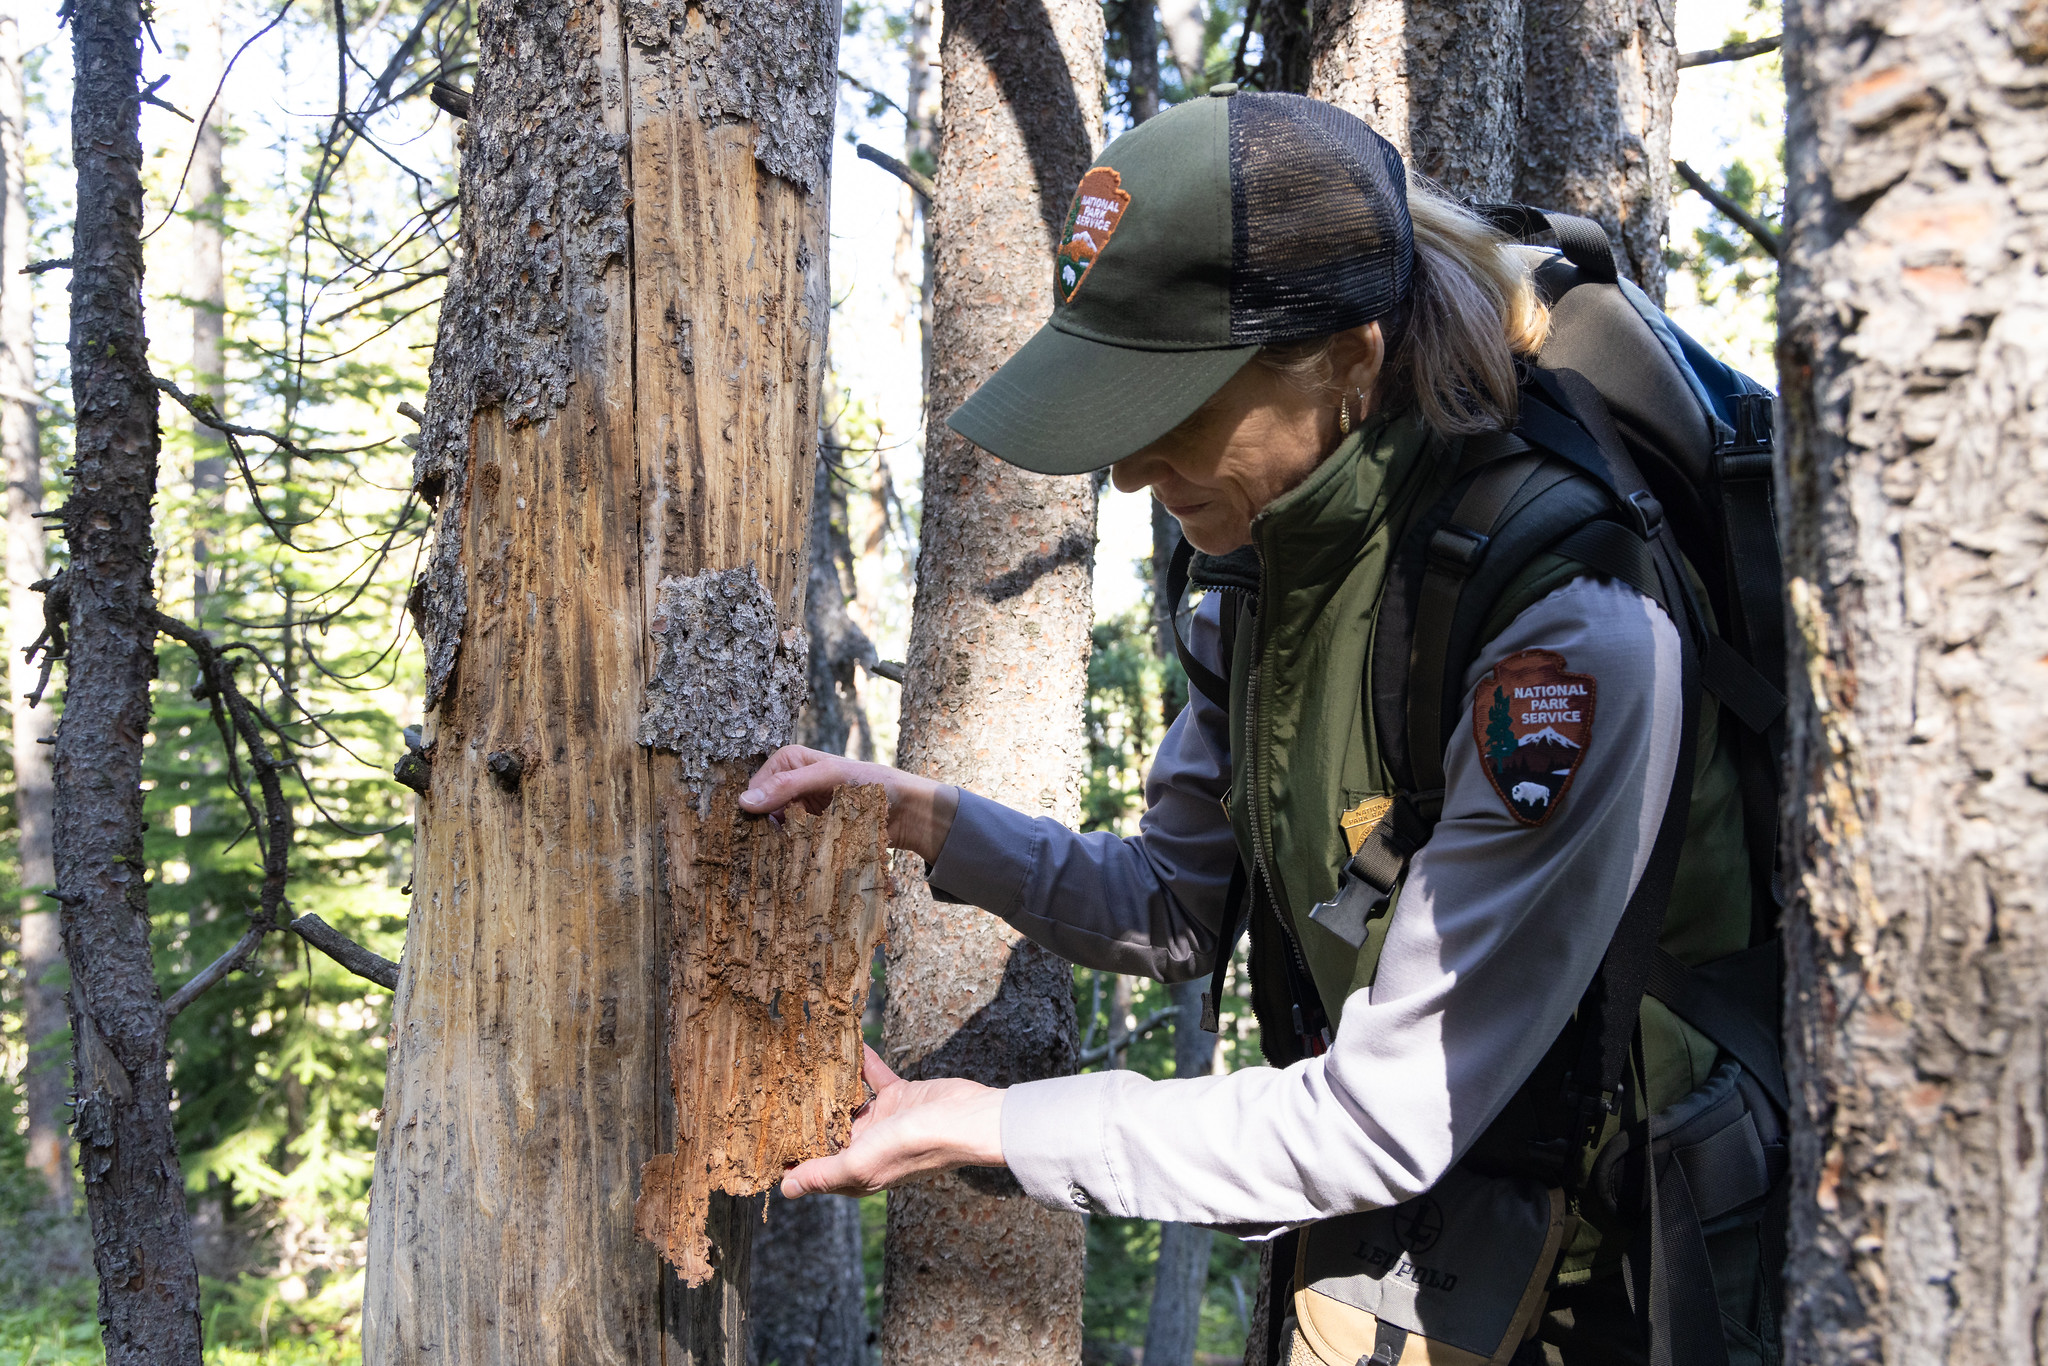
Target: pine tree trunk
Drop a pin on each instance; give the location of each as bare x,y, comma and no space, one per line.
1139,24
994,684
1182,1276
208,291
45,1082
620,435
1186,36
1440,79
1596,121
1915,382
148,1288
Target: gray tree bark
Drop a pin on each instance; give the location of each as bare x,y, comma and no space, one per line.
807,1290
208,291
1138,24
620,435
135,1191
45,1082
1182,1275
1916,397
1440,79
1596,121
994,683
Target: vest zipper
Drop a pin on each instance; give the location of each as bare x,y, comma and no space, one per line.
1314,1035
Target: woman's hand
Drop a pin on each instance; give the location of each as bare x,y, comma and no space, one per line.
920,810
909,1127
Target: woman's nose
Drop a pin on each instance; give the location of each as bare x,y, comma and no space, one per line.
1132,473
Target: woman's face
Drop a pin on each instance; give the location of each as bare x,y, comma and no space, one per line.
1260,436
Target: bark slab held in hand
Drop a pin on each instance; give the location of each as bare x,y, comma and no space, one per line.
768,974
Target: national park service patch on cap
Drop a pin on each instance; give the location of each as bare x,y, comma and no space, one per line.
1532,720
1099,204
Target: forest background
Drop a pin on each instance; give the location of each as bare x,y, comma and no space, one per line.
334,229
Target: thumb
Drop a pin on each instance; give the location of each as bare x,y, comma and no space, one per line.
876,1072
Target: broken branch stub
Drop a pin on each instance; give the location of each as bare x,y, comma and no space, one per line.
774,928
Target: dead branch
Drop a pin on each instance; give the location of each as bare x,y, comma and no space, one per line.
450,97
921,184
362,962
237,720
1733,52
1766,236
1144,1027
56,612
54,263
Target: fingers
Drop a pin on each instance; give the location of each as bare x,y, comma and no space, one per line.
792,773
834,1175
875,1072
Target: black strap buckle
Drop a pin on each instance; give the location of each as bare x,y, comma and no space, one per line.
1456,550
1649,513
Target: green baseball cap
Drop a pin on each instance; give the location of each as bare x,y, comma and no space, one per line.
1216,228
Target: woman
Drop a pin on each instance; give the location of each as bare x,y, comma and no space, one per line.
1261,321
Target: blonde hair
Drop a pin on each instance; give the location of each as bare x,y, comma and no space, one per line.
1471,310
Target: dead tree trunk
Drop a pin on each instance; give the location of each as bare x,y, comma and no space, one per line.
148,1288
1596,121
994,684
620,435
1440,79
42,951
1915,382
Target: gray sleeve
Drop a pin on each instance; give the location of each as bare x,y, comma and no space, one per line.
1151,905
1498,931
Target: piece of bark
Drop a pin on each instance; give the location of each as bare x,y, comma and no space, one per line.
768,974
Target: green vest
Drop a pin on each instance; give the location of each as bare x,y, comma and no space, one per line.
1304,748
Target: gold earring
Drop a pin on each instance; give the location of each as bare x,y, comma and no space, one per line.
1344,415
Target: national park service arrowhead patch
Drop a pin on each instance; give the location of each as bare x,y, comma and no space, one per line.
1099,204
1532,721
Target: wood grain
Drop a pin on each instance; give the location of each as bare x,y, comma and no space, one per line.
768,974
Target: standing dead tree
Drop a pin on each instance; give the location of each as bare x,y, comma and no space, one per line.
619,438
1916,388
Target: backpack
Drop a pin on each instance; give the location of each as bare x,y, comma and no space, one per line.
1641,455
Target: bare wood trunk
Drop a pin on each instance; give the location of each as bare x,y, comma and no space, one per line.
1596,121
208,291
1915,380
46,1083
1440,79
994,684
623,418
135,1191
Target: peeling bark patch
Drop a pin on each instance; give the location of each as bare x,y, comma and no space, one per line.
771,63
728,681
768,972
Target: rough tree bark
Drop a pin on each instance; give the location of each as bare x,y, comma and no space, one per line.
1914,358
1138,24
620,435
208,291
1440,79
45,1081
994,683
1596,121
148,1288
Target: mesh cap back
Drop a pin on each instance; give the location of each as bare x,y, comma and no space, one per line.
1321,240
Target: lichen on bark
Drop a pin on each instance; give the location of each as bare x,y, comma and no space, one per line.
728,680
543,220
752,73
